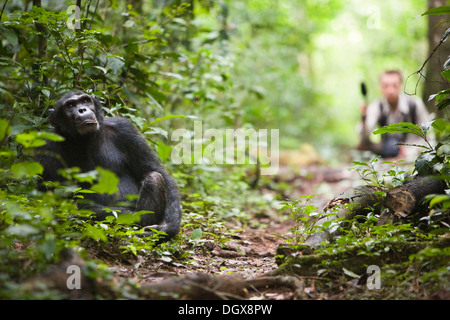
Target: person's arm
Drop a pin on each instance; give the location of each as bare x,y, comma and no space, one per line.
371,119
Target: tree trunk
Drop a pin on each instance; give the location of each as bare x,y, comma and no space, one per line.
434,81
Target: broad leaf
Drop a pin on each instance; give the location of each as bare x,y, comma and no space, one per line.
34,139
446,74
423,163
438,11
401,127
439,124
107,182
169,116
443,104
196,234
94,233
26,169
21,230
128,218
5,129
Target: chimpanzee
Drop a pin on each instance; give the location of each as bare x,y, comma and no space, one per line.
92,140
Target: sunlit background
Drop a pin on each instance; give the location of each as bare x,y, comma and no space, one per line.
305,61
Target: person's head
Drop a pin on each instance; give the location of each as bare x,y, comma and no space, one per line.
391,83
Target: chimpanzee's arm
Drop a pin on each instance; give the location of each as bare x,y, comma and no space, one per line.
159,192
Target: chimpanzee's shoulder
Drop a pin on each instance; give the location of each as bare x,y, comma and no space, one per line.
119,123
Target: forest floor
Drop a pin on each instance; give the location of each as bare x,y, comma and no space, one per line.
242,262
251,251
245,265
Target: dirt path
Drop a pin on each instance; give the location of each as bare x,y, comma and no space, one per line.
251,252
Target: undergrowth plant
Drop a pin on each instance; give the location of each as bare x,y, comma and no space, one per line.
363,229
307,216
371,173
302,211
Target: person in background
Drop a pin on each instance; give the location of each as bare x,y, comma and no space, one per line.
393,107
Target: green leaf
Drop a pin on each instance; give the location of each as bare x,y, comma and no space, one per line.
107,182
438,199
443,104
128,24
115,63
88,177
94,233
169,116
128,218
5,129
196,234
358,163
132,248
446,74
401,127
102,69
423,163
29,140
350,273
26,169
21,230
10,36
439,124
440,95
34,139
156,130
156,95
85,191
163,150
50,136
437,11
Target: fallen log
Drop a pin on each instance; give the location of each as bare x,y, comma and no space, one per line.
401,201
350,203
407,198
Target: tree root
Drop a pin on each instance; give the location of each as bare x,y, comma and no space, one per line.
296,284
356,258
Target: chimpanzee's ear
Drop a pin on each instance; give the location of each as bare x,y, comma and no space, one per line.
52,115
95,99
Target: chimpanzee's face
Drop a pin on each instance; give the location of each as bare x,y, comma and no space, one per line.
81,109
76,113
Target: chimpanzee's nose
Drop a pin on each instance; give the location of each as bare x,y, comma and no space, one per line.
81,110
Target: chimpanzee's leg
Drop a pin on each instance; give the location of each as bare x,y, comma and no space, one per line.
152,197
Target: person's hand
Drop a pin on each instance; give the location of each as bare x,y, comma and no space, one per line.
363,109
401,152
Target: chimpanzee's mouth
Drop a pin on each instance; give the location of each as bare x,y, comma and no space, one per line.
88,122
88,126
